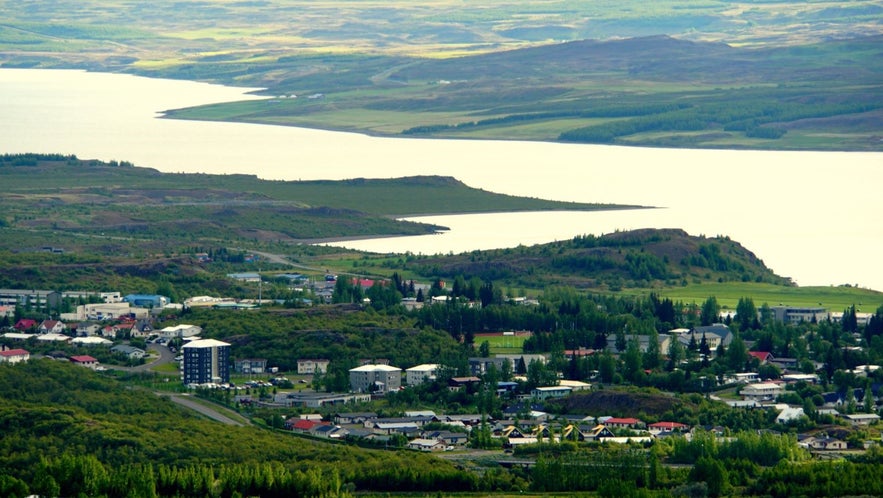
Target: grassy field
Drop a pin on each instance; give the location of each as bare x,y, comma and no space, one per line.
729,293
503,344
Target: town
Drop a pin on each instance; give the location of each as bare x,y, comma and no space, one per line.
517,397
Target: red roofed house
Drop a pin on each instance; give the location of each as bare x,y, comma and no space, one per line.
14,356
51,327
624,423
667,427
301,425
25,324
763,356
85,361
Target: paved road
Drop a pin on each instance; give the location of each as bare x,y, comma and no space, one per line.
187,401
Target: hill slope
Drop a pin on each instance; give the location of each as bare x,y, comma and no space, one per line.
639,258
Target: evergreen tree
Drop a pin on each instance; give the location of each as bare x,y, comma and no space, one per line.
710,312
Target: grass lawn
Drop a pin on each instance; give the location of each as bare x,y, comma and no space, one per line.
503,344
729,293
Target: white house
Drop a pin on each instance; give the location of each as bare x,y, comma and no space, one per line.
765,391
310,366
14,356
180,331
51,327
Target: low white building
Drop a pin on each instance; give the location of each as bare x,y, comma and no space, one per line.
180,331
91,341
551,392
765,391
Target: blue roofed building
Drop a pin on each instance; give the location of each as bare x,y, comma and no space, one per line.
146,300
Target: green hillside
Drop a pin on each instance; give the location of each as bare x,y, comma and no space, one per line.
639,258
68,431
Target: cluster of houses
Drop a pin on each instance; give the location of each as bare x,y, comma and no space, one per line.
427,431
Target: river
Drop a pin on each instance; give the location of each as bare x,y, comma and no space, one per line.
811,216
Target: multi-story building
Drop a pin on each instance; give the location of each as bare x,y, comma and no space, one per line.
421,373
206,361
796,314
250,366
375,379
311,366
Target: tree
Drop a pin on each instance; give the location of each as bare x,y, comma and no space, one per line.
737,354
676,353
632,362
710,311
607,367
652,357
746,313
712,473
620,342
484,349
850,320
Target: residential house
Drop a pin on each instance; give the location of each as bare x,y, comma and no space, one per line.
660,427
129,352
312,366
124,329
458,383
789,414
109,331
143,328
87,329
51,327
328,431
13,356
390,428
825,443
783,363
303,426
448,437
7,311
624,423
84,361
25,324
596,433
249,366
354,417
862,418
762,356
714,335
423,444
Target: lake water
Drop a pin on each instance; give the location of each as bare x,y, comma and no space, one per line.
811,216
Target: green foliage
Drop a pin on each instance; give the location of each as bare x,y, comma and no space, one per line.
69,432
